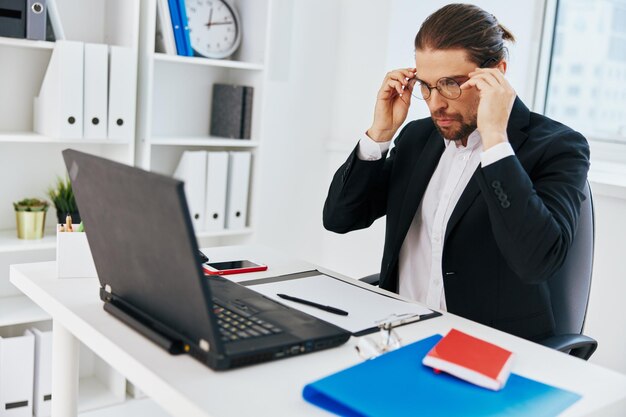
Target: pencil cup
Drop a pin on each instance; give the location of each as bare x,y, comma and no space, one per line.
74,258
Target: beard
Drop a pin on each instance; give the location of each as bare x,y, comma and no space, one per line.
459,133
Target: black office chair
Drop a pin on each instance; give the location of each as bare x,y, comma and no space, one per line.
569,288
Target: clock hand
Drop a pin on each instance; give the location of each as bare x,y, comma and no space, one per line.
208,25
219,23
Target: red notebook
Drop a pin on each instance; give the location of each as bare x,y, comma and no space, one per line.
472,359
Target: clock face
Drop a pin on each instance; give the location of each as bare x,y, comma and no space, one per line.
213,27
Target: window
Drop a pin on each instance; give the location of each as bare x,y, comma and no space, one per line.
589,40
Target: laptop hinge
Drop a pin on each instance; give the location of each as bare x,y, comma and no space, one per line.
157,333
106,293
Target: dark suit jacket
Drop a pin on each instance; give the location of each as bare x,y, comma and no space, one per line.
509,232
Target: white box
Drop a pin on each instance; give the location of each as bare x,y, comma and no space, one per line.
96,90
191,170
238,187
74,258
42,391
122,92
216,187
17,362
58,108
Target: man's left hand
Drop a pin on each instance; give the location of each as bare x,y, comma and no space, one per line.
496,101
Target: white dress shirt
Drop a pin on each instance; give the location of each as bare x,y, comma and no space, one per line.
420,261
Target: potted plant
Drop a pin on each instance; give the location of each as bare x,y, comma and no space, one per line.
30,215
63,199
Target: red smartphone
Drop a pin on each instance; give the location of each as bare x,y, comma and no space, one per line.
232,267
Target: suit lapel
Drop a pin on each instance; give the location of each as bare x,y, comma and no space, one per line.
465,201
519,120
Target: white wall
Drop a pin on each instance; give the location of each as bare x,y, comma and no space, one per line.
324,55
360,68
296,125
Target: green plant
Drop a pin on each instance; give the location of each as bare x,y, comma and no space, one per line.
31,204
62,196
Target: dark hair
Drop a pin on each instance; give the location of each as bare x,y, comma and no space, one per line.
465,26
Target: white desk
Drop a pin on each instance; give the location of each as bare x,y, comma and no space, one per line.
184,387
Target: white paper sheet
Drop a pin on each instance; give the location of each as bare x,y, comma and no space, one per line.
366,308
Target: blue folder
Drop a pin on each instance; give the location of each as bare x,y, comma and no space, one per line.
184,23
179,28
397,384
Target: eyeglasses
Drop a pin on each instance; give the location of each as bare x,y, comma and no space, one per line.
447,87
388,339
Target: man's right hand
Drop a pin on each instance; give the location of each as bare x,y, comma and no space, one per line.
392,105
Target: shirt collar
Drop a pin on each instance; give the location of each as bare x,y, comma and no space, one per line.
473,140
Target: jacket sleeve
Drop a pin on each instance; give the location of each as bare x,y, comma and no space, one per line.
358,191
534,221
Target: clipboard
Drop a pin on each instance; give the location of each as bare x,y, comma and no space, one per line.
367,308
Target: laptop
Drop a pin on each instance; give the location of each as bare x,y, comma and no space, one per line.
146,255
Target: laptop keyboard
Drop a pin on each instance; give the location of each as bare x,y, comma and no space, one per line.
234,326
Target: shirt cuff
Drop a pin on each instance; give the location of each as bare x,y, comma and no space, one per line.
370,150
496,153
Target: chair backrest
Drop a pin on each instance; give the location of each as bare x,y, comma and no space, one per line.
570,286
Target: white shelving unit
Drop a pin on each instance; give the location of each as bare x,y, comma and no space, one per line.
173,115
30,163
174,107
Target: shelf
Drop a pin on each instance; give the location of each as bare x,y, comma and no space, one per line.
204,141
223,63
30,137
225,233
131,408
93,395
19,309
10,243
26,43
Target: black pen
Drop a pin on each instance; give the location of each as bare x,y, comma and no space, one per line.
312,304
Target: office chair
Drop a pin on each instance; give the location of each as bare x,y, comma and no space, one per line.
569,288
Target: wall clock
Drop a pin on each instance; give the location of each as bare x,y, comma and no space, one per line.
214,27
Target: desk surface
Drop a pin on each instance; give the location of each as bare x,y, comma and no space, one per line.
185,387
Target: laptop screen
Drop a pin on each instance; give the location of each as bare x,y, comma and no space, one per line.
142,241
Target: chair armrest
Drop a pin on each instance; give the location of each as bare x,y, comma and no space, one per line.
373,279
577,345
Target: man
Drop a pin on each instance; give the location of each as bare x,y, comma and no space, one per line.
482,198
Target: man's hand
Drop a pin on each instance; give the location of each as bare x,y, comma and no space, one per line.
392,104
496,101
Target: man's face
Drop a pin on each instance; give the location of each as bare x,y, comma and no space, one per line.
455,119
